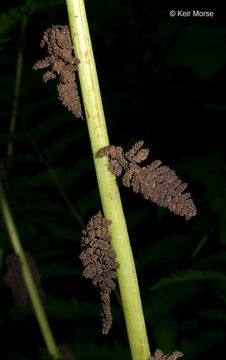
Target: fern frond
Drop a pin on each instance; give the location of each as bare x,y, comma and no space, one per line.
51,269
59,146
162,249
44,205
189,275
39,180
23,159
48,126
67,233
80,168
219,290
88,202
137,217
215,314
50,254
60,308
168,299
96,351
10,19
165,332
37,219
6,138
212,260
204,342
43,5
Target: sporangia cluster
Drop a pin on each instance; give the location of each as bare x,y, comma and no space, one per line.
15,279
160,356
98,258
62,63
155,182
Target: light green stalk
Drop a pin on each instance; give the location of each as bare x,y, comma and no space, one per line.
28,278
108,188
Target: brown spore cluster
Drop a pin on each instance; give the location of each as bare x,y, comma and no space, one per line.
160,356
62,63
15,280
155,182
98,258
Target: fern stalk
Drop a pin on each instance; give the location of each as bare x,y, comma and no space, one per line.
54,177
28,278
19,65
108,188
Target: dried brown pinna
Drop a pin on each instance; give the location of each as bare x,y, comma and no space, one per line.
15,279
155,182
98,258
160,356
62,63
65,353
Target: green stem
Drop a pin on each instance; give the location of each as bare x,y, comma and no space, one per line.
1,257
19,65
108,188
199,246
28,278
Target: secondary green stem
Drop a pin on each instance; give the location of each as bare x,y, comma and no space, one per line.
199,246
19,65
108,188
54,177
28,278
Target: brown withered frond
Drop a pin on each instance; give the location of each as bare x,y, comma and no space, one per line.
62,63
98,258
160,356
15,279
65,353
155,182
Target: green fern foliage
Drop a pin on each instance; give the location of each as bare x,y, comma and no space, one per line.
165,331
217,314
59,308
203,342
9,20
157,252
189,275
167,300
118,350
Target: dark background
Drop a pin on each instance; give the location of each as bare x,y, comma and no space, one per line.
162,80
